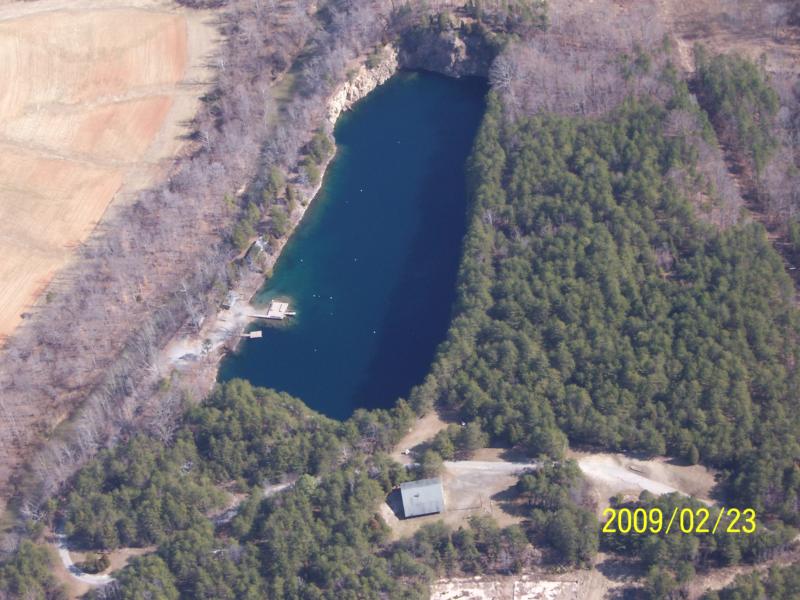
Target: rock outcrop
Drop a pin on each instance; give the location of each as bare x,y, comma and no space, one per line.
454,52
366,79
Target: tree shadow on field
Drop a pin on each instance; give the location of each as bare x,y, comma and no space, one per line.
514,454
619,569
626,593
510,502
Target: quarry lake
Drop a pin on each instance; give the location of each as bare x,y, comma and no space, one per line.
371,269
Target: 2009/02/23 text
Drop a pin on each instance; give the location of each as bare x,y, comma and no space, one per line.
684,520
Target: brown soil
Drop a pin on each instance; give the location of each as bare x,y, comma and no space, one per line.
100,94
421,431
611,474
740,28
725,27
471,488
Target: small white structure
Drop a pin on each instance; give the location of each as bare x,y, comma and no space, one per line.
277,311
253,334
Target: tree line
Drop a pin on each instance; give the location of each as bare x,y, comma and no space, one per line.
321,538
593,307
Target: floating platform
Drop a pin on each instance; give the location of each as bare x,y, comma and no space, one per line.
277,311
253,334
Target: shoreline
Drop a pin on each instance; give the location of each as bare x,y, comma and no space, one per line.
200,354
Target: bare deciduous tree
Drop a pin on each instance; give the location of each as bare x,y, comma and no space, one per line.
158,262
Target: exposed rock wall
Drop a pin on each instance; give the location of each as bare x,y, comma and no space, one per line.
454,52
362,83
450,53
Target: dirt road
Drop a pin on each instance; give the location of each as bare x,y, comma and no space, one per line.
612,474
69,565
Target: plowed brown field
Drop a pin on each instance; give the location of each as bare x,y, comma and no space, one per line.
95,95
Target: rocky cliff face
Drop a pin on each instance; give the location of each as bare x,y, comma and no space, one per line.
362,83
450,52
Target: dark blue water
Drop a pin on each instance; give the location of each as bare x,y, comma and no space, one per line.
371,270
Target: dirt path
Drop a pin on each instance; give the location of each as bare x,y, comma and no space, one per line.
78,583
66,560
225,326
464,468
421,431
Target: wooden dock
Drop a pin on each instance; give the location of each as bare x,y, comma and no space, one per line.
278,311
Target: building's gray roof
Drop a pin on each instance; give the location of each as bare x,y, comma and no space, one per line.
422,497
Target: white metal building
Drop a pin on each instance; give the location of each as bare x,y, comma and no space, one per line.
423,497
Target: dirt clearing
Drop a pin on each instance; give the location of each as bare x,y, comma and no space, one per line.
78,583
474,487
586,585
471,488
99,94
612,474
423,430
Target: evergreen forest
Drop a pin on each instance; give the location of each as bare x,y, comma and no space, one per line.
596,310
